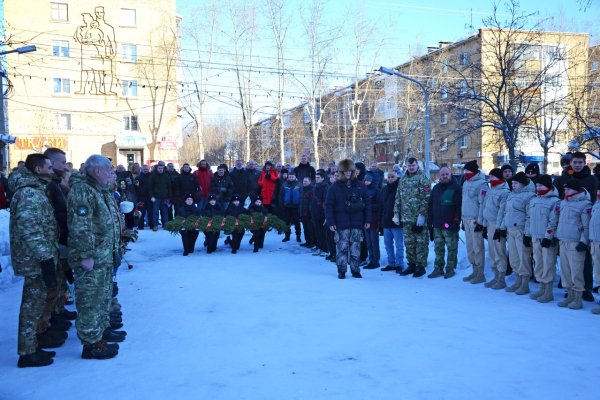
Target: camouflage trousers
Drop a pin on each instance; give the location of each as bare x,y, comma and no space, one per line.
93,294
347,243
443,238
416,245
32,306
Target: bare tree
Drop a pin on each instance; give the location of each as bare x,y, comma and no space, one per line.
158,75
279,20
586,109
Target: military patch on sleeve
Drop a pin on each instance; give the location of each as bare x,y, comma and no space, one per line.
82,211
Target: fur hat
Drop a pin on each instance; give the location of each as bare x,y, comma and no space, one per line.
346,165
545,180
533,168
212,197
257,197
574,184
235,197
269,163
521,178
472,166
497,173
223,166
188,196
505,167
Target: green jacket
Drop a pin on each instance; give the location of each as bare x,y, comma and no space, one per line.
412,197
33,227
94,223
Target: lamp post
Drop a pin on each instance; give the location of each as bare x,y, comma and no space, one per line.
389,71
4,136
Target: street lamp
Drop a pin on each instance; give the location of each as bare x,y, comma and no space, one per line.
4,137
389,71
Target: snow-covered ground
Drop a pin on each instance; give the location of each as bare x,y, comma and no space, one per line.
280,325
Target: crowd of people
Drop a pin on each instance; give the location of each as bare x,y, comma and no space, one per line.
69,226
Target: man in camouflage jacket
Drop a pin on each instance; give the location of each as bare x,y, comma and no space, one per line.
34,251
94,250
412,201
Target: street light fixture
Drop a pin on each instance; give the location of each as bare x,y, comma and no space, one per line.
389,71
4,137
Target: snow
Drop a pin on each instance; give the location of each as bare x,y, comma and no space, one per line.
280,325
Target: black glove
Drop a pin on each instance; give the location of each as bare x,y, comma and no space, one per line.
503,233
478,228
69,275
417,229
497,235
49,273
431,234
527,241
581,246
485,233
546,243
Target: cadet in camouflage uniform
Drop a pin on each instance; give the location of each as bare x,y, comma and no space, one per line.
412,201
94,249
34,252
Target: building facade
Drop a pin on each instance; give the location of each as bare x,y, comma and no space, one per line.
103,79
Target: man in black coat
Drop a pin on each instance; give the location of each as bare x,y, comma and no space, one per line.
393,235
185,184
253,174
304,169
240,180
142,184
444,217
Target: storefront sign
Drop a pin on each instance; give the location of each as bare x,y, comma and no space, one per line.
37,142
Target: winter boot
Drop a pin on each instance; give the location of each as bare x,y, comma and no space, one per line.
408,271
493,281
449,273
356,275
596,311
470,276
576,303
34,360
568,300
536,295
48,341
184,241
341,275
298,238
479,276
516,285
98,351
285,239
110,335
437,272
500,281
547,296
66,315
524,288
419,272
192,241
587,295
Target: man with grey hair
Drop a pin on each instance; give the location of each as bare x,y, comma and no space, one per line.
253,174
94,250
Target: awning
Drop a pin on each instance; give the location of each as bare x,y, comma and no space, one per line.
131,142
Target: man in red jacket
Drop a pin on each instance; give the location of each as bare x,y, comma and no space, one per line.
267,181
204,177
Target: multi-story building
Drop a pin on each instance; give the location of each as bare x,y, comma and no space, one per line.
103,79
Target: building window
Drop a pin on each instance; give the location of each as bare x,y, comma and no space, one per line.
443,118
60,11
444,92
463,142
594,66
464,58
128,17
520,82
60,48
62,86
63,122
129,88
444,144
130,123
463,87
462,114
129,52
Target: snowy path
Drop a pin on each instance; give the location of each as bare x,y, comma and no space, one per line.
280,325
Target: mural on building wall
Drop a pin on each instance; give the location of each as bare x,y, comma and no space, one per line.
98,50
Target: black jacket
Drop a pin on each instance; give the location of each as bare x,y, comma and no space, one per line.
585,177
241,183
445,202
305,170
235,211
306,195
212,211
222,187
317,204
143,185
253,188
59,202
341,205
187,210
387,200
185,183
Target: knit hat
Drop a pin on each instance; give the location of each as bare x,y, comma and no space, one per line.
496,172
212,197
566,159
369,177
188,196
533,168
235,197
545,180
269,163
574,184
505,167
521,178
472,166
257,197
